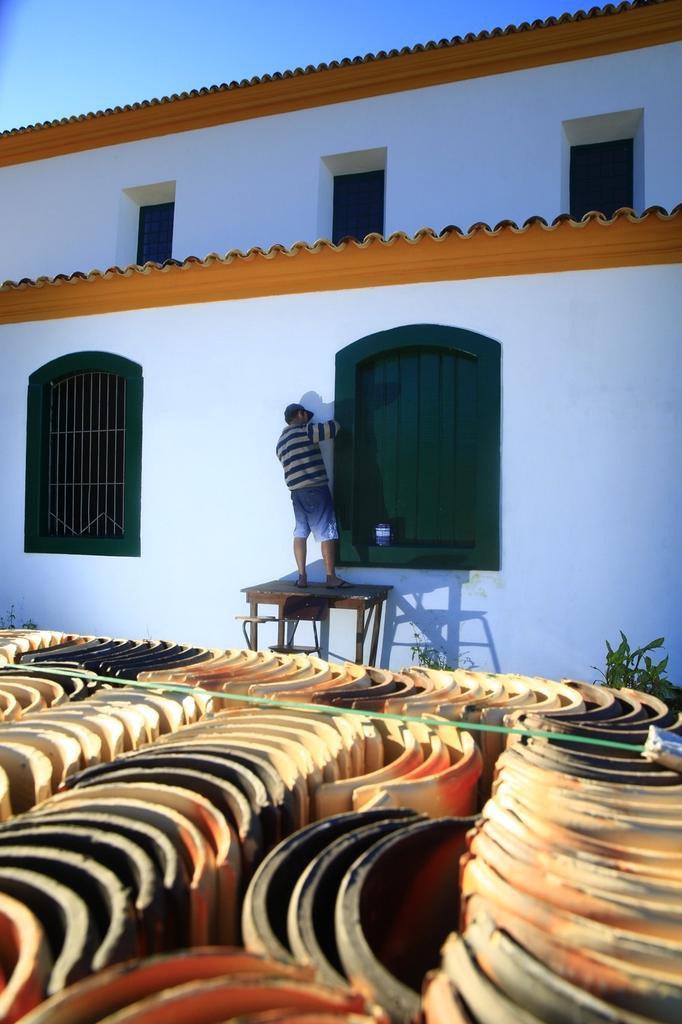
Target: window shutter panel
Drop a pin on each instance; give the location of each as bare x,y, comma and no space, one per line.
420,407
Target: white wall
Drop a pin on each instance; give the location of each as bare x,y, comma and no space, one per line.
591,482
488,149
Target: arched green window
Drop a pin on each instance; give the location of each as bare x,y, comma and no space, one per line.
83,456
419,448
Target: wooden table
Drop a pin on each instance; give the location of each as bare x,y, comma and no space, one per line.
365,600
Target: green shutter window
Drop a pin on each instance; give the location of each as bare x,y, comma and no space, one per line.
84,456
420,448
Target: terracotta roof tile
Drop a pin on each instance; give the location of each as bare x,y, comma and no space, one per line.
369,58
256,252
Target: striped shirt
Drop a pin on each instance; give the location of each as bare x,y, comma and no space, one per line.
299,452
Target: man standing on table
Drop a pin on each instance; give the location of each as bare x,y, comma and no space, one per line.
298,450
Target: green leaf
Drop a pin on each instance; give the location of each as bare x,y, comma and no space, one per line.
634,668
623,649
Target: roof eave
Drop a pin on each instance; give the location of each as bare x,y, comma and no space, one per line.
600,32
595,243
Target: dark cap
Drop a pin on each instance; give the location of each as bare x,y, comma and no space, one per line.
292,409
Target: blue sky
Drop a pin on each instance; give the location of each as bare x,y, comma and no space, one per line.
75,56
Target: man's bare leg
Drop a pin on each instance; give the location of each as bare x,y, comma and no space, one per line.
300,545
329,556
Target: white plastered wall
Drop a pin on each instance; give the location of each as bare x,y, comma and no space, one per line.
488,149
591,482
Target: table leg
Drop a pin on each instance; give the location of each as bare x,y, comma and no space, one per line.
253,631
280,625
324,638
378,608
359,636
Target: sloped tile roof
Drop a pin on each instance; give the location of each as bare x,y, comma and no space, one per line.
371,240
369,58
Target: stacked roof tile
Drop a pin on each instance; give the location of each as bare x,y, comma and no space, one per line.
319,815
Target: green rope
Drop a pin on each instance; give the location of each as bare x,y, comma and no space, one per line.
291,705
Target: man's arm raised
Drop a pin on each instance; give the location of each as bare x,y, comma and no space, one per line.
323,431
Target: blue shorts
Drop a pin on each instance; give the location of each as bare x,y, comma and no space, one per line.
314,511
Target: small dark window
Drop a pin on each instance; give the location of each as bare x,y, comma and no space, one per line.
155,238
601,177
358,205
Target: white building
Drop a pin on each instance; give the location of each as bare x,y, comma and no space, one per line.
523,440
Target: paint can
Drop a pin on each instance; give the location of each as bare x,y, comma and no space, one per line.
383,535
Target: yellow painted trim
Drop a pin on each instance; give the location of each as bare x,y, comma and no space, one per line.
595,244
551,44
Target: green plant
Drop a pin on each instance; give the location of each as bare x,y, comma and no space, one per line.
636,670
428,656
9,621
